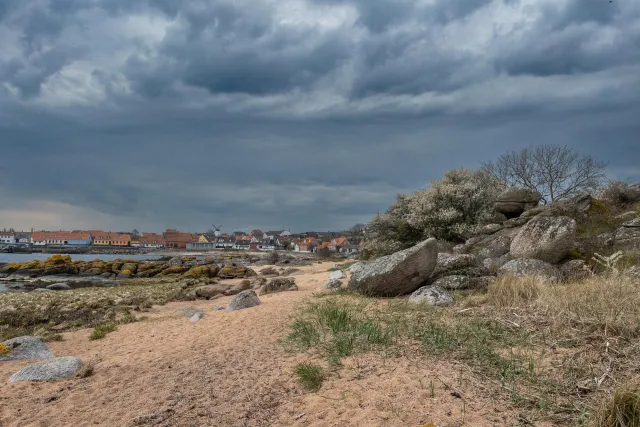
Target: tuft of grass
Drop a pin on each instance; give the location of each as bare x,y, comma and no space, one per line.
310,376
621,410
509,291
86,371
100,331
337,329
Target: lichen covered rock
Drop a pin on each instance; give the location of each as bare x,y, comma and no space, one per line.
545,238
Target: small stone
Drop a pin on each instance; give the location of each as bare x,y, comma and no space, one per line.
59,287
432,295
56,368
26,348
244,299
337,275
333,284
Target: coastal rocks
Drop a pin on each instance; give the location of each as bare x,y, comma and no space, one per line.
209,291
545,238
279,284
333,284
245,299
530,267
59,287
291,272
26,347
176,270
462,282
514,201
236,272
203,271
396,274
431,295
269,271
56,368
337,275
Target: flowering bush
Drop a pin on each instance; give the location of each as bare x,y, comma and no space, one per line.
450,209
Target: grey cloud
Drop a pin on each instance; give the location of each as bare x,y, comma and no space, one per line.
176,114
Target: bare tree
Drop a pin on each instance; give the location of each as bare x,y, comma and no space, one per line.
557,172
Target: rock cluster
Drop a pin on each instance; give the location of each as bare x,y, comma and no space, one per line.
514,201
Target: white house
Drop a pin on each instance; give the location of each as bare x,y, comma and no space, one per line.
8,237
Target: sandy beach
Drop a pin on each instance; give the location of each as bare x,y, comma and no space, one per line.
229,369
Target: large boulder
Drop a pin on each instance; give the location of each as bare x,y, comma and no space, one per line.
396,274
495,248
462,282
448,264
202,271
57,368
244,299
26,347
576,207
432,295
278,284
545,238
514,201
530,267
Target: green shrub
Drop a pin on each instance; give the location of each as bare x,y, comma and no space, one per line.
310,376
100,331
450,209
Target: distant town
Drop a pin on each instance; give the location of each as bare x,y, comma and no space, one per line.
345,242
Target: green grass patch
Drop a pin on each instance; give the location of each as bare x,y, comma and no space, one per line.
101,331
337,329
310,376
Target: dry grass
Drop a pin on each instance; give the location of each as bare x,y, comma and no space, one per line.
510,291
601,304
621,410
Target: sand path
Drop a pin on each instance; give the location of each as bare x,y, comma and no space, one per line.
229,369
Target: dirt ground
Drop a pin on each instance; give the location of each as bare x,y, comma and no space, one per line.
229,369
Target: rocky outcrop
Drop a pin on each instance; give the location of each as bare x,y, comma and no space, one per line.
245,299
279,284
432,295
396,274
26,347
545,238
514,201
56,368
530,267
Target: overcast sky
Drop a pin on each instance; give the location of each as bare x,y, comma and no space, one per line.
307,114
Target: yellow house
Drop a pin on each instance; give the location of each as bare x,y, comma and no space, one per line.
104,240
203,239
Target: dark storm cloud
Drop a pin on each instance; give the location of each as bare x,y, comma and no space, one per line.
311,113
